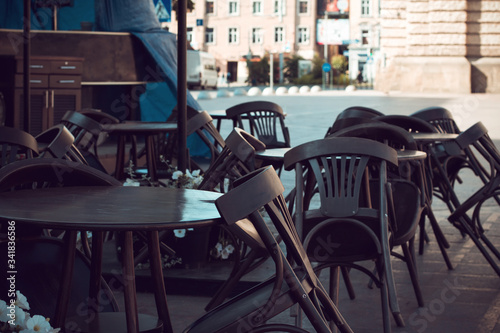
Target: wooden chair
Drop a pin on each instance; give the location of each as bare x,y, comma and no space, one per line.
347,217
15,145
266,121
236,159
353,116
416,125
291,285
409,191
466,215
87,133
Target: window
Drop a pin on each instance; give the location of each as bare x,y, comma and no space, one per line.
257,34
257,7
189,34
234,8
209,36
365,8
210,8
303,35
303,6
365,37
233,36
279,7
279,35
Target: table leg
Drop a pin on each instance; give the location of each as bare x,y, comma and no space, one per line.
66,278
120,156
150,157
96,269
158,281
129,284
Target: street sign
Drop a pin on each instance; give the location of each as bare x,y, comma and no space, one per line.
326,67
199,22
163,9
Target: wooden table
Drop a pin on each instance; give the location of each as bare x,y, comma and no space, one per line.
115,208
133,128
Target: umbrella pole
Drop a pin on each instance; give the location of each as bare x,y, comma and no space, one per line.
182,84
26,64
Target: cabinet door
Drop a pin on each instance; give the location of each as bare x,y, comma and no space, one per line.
61,101
39,110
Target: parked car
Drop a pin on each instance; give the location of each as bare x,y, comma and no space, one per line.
201,70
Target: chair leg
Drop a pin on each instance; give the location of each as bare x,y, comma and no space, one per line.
439,237
410,263
348,283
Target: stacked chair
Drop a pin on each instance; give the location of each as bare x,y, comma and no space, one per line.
294,283
266,121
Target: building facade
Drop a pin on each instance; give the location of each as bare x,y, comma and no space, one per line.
234,30
440,46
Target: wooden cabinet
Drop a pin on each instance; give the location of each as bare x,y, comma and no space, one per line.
55,86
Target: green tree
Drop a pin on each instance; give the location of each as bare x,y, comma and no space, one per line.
258,72
339,63
291,70
317,70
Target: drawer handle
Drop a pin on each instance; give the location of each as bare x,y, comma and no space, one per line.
35,81
36,66
67,67
66,81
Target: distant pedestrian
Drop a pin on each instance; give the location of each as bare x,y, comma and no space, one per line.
360,77
228,78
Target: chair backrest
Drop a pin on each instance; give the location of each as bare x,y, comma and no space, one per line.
46,172
338,166
411,124
265,120
360,112
202,125
58,142
439,117
353,116
236,159
85,130
16,144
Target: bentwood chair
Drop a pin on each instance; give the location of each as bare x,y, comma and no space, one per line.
355,226
87,133
416,125
446,155
294,282
467,214
408,185
236,159
266,121
16,144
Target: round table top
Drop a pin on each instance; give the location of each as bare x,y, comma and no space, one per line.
406,155
273,153
137,127
111,207
434,137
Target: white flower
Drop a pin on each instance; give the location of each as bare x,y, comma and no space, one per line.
176,175
196,173
3,312
37,324
180,233
188,174
21,319
22,301
131,182
227,251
